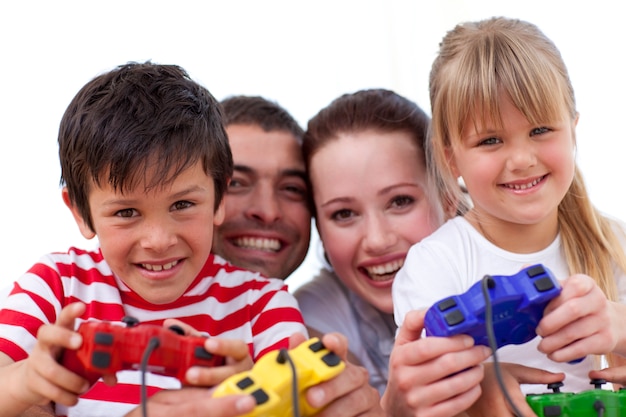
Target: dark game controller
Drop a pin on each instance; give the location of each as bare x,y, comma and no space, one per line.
271,380
109,347
517,303
592,403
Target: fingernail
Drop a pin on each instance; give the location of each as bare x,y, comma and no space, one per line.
211,345
245,404
316,397
76,340
192,375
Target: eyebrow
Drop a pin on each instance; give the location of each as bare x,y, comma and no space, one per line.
290,172
131,201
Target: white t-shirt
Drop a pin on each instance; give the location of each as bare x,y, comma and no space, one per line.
455,257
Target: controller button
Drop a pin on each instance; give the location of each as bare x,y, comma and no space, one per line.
535,271
177,329
316,347
446,304
552,411
201,353
101,338
245,383
130,321
455,317
100,359
260,396
331,359
543,284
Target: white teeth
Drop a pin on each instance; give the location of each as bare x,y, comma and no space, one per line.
258,243
382,272
524,186
157,268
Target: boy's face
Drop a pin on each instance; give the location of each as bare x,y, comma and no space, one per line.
156,241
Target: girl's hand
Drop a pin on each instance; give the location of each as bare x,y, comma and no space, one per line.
40,379
492,402
236,352
579,322
433,376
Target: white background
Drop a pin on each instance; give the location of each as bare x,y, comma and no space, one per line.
301,54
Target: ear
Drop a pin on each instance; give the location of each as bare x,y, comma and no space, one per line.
85,230
220,213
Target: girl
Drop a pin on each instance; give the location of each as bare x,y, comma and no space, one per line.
504,119
372,200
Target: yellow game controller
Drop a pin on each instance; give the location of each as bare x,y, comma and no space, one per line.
271,382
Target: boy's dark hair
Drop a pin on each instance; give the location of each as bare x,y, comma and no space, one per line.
136,117
255,110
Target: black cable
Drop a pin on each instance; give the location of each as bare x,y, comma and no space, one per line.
152,344
283,355
487,281
599,407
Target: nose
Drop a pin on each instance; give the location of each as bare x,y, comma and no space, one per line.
378,235
158,235
264,205
521,156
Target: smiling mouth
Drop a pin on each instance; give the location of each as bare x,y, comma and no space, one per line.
384,272
262,244
158,267
524,186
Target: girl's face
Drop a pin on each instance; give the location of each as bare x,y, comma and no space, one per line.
516,175
372,204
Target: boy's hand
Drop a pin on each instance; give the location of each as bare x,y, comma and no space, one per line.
579,322
195,402
39,378
349,393
236,352
492,402
432,376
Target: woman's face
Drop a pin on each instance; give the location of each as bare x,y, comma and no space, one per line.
372,203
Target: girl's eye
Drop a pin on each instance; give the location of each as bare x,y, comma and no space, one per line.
125,213
342,214
402,201
489,141
539,131
180,205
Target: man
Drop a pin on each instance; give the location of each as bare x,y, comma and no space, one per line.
267,226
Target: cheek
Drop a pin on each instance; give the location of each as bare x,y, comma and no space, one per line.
338,246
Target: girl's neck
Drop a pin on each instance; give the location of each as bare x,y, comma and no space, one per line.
515,237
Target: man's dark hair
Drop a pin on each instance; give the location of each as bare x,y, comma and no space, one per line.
255,110
140,116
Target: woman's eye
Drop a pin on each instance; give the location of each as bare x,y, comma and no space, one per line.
341,214
402,201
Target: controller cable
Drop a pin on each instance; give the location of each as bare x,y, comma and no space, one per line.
152,344
487,283
283,356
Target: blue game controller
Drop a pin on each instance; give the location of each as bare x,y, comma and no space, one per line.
517,303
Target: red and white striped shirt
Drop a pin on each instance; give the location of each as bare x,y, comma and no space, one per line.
223,301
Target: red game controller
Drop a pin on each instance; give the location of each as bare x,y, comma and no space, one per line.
109,347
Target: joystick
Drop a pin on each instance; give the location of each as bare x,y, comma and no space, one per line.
592,403
110,347
517,303
280,378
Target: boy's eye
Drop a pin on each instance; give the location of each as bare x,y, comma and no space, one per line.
125,213
180,205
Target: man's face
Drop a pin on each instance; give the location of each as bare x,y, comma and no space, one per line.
267,226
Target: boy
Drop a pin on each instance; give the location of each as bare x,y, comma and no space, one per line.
144,163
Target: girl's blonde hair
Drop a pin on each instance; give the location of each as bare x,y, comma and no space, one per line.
477,62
